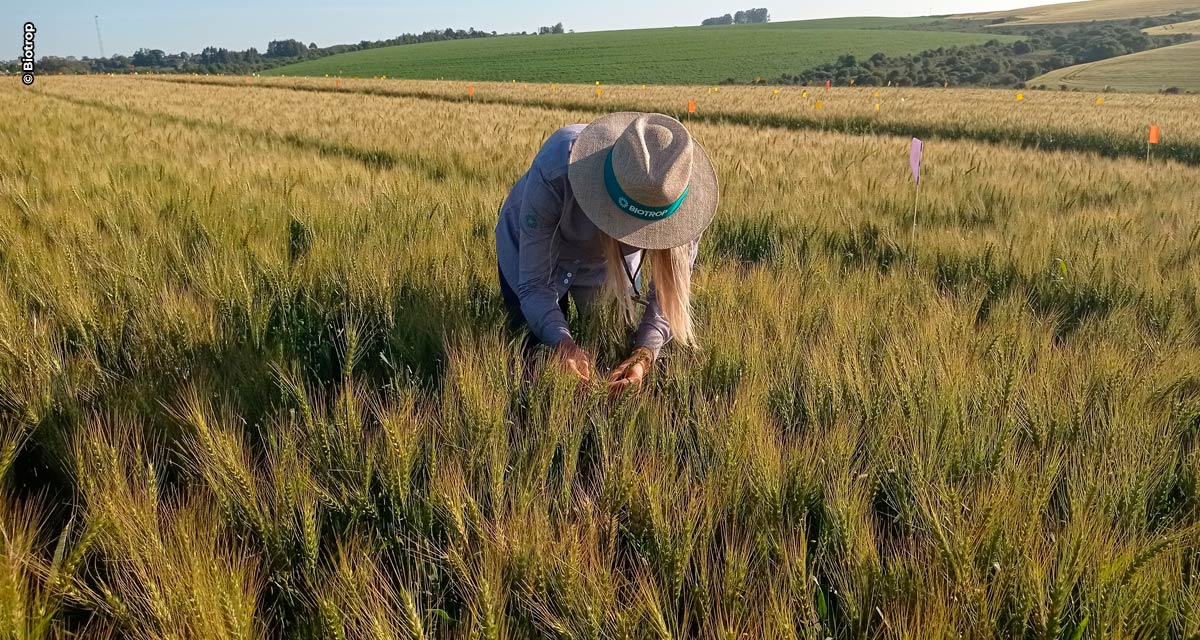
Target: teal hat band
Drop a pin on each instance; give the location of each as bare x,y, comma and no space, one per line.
631,206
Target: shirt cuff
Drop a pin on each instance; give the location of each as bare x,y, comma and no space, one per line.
651,339
554,334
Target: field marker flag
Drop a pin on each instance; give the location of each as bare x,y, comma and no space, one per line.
470,91
828,83
805,94
599,92
691,106
915,155
1020,97
1099,100
1154,134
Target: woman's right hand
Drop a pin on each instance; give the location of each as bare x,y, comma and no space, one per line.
574,359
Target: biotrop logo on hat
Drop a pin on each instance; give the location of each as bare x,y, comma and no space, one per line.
629,205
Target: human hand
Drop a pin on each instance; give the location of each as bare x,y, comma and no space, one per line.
631,372
574,359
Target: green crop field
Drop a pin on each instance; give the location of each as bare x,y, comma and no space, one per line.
1153,70
682,55
255,382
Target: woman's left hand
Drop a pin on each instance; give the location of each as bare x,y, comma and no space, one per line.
631,372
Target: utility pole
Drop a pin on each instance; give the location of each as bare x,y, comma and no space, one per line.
98,38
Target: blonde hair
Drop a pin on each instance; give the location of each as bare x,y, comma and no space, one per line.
671,274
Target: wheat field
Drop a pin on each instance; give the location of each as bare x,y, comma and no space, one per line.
253,380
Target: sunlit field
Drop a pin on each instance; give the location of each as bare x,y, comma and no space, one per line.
254,381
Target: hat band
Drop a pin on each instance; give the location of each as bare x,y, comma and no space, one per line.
631,206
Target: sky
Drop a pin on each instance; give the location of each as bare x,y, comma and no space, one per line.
67,27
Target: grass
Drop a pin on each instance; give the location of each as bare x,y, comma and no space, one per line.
1091,10
1154,70
252,383
682,55
1191,27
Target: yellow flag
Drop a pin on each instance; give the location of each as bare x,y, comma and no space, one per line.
1099,100
599,91
877,106
819,104
804,95
1020,97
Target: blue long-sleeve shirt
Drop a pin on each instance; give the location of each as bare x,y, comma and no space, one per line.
546,246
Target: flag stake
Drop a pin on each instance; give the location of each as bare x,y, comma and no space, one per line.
915,155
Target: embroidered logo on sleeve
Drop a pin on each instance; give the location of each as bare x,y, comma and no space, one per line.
531,221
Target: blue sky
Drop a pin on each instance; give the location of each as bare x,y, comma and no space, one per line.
66,27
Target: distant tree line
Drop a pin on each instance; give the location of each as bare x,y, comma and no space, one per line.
221,60
994,63
750,16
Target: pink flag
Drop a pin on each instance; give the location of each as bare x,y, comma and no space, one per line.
914,158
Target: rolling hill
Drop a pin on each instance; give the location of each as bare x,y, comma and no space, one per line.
1089,11
1153,70
680,55
1179,28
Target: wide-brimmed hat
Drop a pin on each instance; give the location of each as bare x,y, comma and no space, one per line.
642,179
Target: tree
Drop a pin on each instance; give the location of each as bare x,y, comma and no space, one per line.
290,48
725,19
739,17
758,16
148,57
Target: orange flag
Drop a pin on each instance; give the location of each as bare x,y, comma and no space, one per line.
470,92
1154,134
691,106
828,83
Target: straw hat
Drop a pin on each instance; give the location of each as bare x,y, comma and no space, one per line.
642,179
